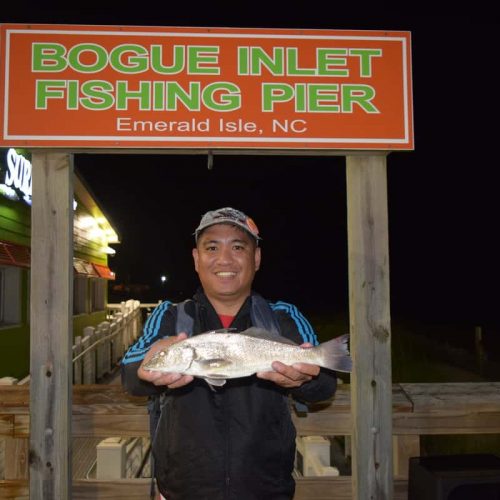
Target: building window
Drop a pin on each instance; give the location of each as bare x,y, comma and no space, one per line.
80,294
98,294
10,295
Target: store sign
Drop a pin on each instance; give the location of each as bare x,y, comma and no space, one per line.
148,87
15,180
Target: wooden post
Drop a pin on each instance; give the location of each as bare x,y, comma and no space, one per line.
51,325
369,313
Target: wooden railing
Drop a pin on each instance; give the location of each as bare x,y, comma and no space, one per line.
106,410
100,348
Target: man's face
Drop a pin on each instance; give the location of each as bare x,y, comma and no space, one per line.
226,259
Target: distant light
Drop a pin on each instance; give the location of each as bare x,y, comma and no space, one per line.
163,279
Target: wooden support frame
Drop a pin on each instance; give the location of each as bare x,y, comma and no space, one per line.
369,316
51,325
51,317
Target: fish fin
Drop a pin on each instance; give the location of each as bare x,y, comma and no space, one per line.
212,381
214,363
262,334
336,354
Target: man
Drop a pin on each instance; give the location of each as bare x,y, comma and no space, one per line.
238,441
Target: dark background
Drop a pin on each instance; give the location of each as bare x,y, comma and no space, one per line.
443,197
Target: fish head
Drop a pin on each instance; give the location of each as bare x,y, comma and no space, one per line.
176,359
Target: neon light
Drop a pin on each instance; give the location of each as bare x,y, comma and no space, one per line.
18,176
17,180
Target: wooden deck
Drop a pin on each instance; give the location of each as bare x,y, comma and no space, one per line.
101,411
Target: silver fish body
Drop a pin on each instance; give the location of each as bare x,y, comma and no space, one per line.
220,355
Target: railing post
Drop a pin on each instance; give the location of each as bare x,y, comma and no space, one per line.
89,371
104,326
77,365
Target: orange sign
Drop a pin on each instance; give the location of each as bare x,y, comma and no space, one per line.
149,87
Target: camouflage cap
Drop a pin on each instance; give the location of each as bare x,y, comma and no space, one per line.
228,215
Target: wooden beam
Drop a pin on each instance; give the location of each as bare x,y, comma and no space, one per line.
419,409
51,325
319,488
371,383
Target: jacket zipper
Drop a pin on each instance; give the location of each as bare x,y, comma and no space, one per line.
228,446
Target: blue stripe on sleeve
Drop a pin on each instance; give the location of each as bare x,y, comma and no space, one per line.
149,335
305,329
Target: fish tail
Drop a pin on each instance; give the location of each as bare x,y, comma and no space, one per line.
335,354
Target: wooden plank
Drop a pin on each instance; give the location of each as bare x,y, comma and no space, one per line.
106,425
371,383
404,448
450,412
337,488
14,489
7,425
17,397
320,488
51,325
473,396
16,463
448,422
112,420
14,396
450,408
124,488
335,418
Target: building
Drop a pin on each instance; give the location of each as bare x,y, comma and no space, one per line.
93,233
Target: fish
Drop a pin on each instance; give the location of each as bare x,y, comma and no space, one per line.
219,355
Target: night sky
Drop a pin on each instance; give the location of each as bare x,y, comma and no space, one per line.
443,197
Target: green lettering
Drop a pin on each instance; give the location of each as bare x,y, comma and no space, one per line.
98,95
48,57
175,94
222,96
243,60
124,95
275,92
365,60
300,97
320,95
137,62
198,56
48,89
72,97
293,64
178,62
158,96
328,58
274,64
98,56
360,95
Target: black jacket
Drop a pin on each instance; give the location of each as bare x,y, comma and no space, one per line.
237,442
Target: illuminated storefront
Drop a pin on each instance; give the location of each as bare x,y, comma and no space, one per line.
92,236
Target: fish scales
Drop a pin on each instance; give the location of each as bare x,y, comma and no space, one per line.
217,356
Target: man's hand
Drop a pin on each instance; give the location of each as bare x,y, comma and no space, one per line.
291,376
171,380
